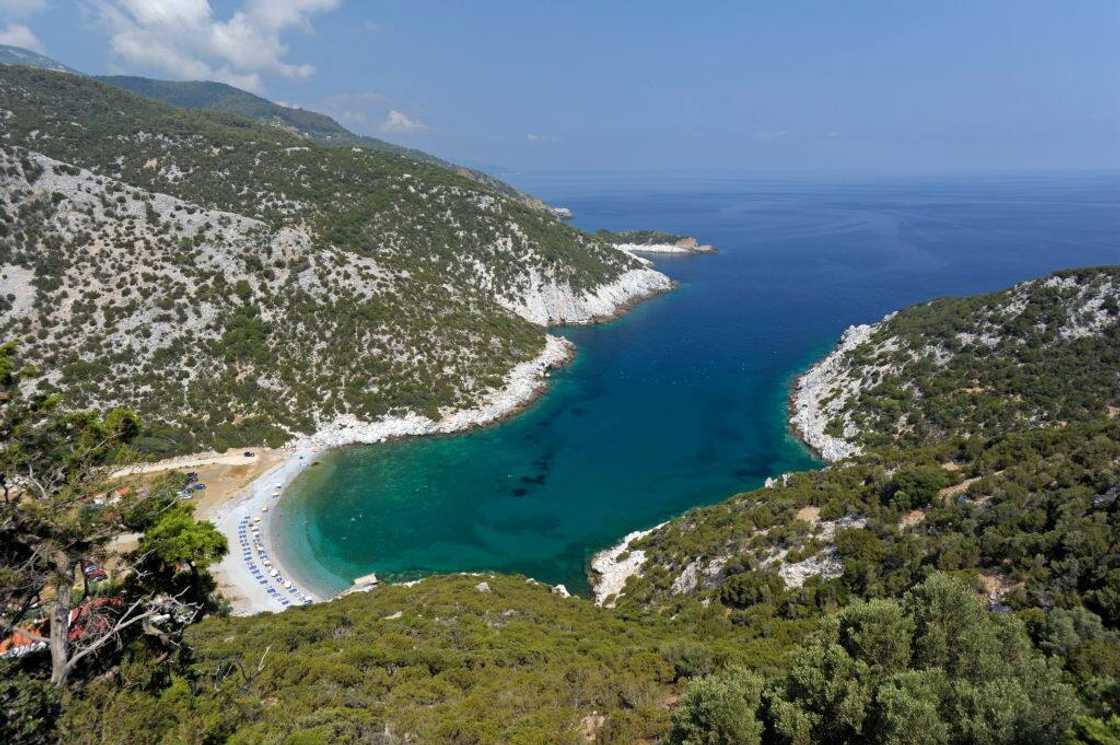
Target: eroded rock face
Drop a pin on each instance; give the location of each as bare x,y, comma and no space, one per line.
822,393
611,567
548,301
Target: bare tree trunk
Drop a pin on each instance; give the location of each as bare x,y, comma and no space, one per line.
60,626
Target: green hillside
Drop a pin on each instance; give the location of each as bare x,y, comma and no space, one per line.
211,96
1041,352
180,261
965,590
173,279
448,662
319,128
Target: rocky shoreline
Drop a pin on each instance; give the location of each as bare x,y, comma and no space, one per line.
524,383
820,394
683,246
611,567
551,302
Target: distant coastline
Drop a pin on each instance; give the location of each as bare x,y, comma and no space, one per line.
633,242
685,245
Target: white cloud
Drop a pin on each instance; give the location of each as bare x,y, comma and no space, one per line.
20,8
542,139
356,110
398,123
18,35
184,39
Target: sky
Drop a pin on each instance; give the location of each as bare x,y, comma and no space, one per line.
795,86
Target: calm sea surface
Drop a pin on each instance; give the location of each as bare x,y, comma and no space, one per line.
682,401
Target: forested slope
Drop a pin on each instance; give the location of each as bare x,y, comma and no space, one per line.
494,660
237,284
1043,352
954,578
963,590
318,128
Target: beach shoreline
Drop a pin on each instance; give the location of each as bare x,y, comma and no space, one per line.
245,592
234,516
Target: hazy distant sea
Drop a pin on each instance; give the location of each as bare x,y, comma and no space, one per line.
682,402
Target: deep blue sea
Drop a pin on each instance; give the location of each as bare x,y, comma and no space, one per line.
682,401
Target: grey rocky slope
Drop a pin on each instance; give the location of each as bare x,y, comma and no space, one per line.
237,285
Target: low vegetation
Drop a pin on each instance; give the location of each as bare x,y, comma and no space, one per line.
962,591
640,237
313,126
235,283
958,581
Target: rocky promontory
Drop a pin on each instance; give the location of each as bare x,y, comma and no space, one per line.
654,241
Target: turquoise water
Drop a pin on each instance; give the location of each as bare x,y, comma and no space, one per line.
682,401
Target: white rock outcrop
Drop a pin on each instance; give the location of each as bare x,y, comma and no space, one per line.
683,246
550,302
522,384
818,397
611,567
825,563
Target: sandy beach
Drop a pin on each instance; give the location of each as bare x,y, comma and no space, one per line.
245,576
237,487
241,491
